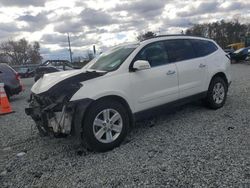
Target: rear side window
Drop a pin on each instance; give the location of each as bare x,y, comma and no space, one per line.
179,50
6,69
154,53
203,47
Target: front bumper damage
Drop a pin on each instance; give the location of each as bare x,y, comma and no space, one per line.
57,117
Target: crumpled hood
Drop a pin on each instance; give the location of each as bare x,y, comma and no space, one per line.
62,79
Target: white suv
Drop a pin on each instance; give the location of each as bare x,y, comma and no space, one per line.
100,102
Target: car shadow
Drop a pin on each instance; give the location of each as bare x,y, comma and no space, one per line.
187,109
72,147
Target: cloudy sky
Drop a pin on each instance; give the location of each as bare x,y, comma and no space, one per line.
106,23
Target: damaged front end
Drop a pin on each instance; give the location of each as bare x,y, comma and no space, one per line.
54,113
51,116
50,104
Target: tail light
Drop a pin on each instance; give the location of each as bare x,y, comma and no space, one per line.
18,77
19,80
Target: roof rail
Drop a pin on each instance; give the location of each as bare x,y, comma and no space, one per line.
173,35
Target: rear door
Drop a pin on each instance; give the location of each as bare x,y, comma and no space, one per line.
191,70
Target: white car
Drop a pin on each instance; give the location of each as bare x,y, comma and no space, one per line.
100,102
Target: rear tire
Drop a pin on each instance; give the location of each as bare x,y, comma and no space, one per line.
217,93
105,125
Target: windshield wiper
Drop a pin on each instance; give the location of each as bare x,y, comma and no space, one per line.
91,70
94,70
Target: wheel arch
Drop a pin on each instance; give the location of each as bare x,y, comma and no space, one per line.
209,101
221,75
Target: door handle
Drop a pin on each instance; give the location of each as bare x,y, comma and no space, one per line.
202,65
170,72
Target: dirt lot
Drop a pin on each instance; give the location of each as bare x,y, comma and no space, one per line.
190,147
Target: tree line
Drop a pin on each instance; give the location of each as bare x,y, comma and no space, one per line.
20,52
224,33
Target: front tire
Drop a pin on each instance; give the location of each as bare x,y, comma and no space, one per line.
105,125
217,93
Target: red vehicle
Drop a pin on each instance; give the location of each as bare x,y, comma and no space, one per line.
11,80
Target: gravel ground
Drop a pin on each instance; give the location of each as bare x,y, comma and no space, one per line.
190,147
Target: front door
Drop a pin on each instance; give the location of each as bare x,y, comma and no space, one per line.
157,85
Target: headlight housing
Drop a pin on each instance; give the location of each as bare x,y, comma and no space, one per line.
62,93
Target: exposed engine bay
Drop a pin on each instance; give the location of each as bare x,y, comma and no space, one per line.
52,110
50,116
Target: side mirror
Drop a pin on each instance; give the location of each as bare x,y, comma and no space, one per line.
141,65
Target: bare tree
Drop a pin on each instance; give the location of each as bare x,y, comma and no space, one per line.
20,52
3,58
147,35
35,56
222,32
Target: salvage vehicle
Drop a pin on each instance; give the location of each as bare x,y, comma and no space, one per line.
240,55
100,102
25,72
236,46
50,66
11,80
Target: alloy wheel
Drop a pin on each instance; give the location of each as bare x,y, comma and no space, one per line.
107,125
218,93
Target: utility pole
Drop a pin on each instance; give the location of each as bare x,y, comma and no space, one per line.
70,53
94,51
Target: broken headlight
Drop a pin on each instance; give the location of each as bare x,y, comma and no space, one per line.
62,92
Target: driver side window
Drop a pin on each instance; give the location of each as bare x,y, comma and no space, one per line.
154,53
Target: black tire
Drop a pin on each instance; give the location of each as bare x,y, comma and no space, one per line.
89,139
210,101
60,135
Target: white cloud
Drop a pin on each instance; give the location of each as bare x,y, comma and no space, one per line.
106,22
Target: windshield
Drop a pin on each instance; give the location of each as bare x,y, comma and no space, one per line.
23,70
112,59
